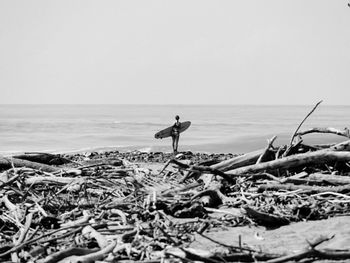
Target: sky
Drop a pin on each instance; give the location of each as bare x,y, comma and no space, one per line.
174,52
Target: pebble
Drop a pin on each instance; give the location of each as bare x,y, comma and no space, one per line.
154,157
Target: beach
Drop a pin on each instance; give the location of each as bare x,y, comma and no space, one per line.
233,192
182,207
174,131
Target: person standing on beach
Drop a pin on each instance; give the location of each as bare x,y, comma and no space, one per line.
175,133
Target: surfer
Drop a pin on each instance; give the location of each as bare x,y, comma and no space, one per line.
175,133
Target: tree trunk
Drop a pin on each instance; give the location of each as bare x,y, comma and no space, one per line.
239,161
322,156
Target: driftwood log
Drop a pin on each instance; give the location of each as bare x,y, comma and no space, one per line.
322,156
344,133
45,158
52,180
239,161
318,178
305,188
7,163
265,219
269,145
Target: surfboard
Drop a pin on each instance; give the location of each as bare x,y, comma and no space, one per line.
167,132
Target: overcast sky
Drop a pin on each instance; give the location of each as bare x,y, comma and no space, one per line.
160,52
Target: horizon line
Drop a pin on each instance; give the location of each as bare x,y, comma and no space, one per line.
160,104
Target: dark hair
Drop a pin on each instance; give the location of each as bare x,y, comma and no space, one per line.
177,117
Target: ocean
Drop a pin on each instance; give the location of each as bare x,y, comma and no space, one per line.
215,128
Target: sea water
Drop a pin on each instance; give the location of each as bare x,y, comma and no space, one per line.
215,128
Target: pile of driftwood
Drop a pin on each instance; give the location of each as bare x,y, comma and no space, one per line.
104,208
54,209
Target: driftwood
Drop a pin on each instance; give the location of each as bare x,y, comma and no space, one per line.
239,161
290,146
44,158
73,251
269,145
92,257
343,146
318,157
131,217
344,133
7,163
201,169
266,219
318,178
330,178
14,210
304,188
52,180
5,180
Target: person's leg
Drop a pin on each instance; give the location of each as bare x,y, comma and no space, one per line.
176,143
173,138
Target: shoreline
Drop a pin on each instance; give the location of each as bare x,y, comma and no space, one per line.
166,149
242,146
151,157
134,156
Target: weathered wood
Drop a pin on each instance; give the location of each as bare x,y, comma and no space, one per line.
239,161
5,180
317,179
252,157
15,211
89,232
84,219
95,256
345,132
24,230
199,168
65,253
44,158
343,146
6,163
297,129
52,180
306,188
269,145
334,179
322,156
265,219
